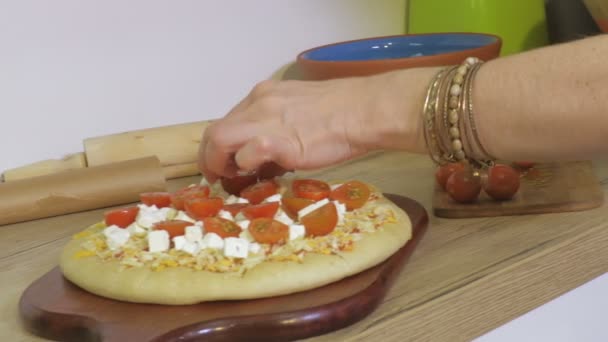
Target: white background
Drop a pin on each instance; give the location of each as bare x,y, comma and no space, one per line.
75,69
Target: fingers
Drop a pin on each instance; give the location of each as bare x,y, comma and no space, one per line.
262,149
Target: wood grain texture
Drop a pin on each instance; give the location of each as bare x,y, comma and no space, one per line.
55,308
546,188
466,277
45,167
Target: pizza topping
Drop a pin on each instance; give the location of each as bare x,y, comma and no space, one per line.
222,227
116,237
296,231
282,217
268,230
200,208
309,209
122,217
158,241
244,224
258,192
179,197
173,227
321,221
353,194
313,189
261,210
149,216
236,247
184,217
213,241
292,205
158,199
225,215
236,184
235,208
193,233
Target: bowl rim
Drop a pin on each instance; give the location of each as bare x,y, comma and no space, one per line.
301,55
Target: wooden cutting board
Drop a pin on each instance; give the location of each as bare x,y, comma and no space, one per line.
54,308
546,188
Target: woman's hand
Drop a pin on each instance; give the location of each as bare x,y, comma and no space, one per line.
307,125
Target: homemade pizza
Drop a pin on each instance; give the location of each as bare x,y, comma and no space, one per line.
241,238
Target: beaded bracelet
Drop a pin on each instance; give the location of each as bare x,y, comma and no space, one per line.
450,132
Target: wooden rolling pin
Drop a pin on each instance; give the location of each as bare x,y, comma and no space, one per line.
45,167
175,146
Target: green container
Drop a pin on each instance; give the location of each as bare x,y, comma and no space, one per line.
521,24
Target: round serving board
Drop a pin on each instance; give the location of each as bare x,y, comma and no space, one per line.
54,308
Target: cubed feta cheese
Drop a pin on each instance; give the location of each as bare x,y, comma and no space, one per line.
116,237
274,198
158,241
341,210
334,186
179,242
136,229
231,199
245,234
283,218
212,240
244,224
254,248
225,215
236,247
199,223
193,233
309,209
184,217
203,181
239,217
296,231
191,247
242,200
148,216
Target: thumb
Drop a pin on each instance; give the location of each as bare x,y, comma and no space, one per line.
263,149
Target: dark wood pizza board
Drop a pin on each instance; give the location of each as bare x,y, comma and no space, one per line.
546,188
54,308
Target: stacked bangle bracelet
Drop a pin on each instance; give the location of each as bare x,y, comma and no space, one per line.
449,127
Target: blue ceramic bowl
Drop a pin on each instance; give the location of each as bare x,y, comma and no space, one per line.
381,54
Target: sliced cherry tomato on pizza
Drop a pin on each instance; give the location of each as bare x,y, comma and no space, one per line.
258,192
173,227
261,210
321,221
159,199
268,230
463,186
199,208
179,197
222,227
353,194
310,188
502,183
291,205
445,171
236,184
122,217
235,208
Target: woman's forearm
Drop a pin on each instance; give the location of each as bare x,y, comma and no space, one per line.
546,104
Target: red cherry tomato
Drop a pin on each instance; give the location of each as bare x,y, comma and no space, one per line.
353,194
173,227
270,170
261,210
222,227
321,221
122,217
159,199
502,183
199,208
445,171
268,230
235,208
291,205
463,186
258,192
236,184
310,188
179,197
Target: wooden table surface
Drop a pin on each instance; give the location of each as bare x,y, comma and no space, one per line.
466,277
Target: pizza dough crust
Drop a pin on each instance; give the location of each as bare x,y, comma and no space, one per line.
180,285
